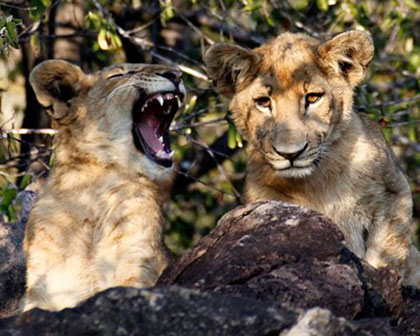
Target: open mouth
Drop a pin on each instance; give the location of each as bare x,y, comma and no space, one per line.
152,117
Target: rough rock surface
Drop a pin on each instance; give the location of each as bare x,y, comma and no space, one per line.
279,252
317,321
12,263
268,268
159,311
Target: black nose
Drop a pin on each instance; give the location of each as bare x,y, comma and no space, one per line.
291,156
173,75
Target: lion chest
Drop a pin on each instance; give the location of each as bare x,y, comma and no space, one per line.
93,238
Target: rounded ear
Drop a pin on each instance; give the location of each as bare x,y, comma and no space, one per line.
55,83
347,54
230,66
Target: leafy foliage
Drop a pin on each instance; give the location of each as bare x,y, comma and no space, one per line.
8,36
178,32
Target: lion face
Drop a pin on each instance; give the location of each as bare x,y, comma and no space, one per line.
119,115
291,98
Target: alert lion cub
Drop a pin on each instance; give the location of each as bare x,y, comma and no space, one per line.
292,99
98,222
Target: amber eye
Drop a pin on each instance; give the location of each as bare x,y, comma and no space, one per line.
263,103
312,98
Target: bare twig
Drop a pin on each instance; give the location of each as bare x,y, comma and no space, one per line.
197,124
46,131
184,68
406,141
188,117
390,103
219,167
402,123
203,145
204,183
198,31
23,8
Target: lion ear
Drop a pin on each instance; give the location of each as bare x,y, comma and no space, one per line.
230,65
56,83
347,54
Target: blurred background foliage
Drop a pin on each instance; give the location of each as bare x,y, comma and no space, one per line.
211,161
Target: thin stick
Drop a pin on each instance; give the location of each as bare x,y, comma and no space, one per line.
47,131
197,124
402,123
222,171
209,149
204,183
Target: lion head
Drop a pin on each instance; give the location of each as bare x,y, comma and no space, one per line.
291,98
118,116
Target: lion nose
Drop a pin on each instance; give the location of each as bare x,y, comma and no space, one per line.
173,75
291,156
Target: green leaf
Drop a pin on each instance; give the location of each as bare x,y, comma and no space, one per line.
322,5
8,197
27,179
108,40
231,141
299,4
12,38
238,139
93,21
39,9
52,158
103,39
191,104
412,132
166,11
412,4
11,214
116,41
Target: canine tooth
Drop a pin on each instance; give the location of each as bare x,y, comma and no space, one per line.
167,111
161,138
160,100
179,101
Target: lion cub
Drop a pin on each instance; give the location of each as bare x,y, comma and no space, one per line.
98,222
292,99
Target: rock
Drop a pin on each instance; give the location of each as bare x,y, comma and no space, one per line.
159,311
12,267
409,322
12,261
268,268
279,252
317,321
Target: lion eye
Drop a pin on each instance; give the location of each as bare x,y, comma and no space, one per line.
263,103
312,98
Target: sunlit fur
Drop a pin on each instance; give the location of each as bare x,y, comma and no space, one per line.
345,170
98,221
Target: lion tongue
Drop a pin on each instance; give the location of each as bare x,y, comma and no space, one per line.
149,129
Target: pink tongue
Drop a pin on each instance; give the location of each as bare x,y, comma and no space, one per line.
148,126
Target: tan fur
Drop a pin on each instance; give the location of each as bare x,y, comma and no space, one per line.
98,222
345,169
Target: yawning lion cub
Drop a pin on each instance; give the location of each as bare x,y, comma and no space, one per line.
98,222
292,99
